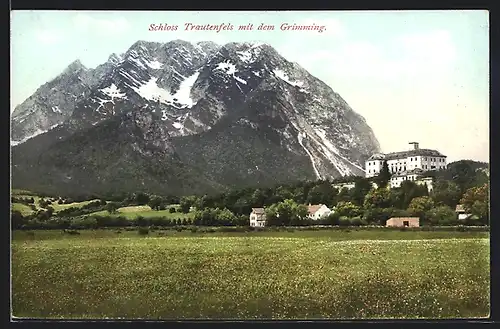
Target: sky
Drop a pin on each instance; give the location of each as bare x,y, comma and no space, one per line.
413,75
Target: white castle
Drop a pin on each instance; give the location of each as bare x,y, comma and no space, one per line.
407,165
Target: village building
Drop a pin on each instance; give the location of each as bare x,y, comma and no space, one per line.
460,211
416,158
318,211
258,217
415,176
403,222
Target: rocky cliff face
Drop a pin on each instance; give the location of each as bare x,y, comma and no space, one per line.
238,114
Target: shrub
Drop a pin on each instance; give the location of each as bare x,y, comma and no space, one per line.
356,221
194,229
141,221
344,221
143,231
83,223
171,210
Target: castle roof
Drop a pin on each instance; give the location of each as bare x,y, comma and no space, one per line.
406,154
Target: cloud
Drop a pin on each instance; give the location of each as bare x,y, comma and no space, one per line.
435,46
48,37
407,59
111,26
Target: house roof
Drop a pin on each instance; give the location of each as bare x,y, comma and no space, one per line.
405,154
418,152
311,209
258,211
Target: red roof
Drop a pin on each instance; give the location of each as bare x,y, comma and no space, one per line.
313,208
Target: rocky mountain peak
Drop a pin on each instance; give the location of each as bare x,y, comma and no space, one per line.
240,99
75,67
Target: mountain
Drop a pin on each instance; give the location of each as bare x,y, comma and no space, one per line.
178,117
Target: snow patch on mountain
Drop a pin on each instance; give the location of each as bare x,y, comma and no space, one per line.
155,65
245,56
228,67
113,91
283,76
151,91
182,95
240,80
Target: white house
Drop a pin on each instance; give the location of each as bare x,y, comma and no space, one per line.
258,217
461,212
414,175
318,211
416,158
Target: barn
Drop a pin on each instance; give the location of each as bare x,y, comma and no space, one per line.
403,222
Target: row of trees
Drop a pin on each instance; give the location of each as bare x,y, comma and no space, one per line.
376,210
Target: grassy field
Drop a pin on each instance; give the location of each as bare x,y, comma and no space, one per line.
144,211
58,207
22,208
301,274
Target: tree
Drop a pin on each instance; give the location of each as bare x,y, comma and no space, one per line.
377,216
379,198
347,209
446,192
141,198
476,202
186,203
225,217
17,219
112,207
243,205
287,212
442,215
323,193
343,195
402,196
384,176
155,202
50,211
465,174
258,198
361,188
419,206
